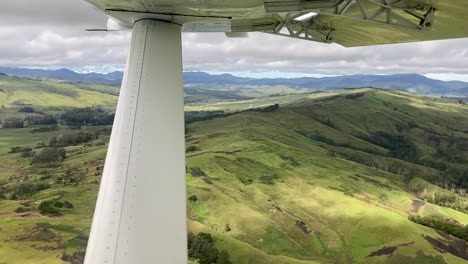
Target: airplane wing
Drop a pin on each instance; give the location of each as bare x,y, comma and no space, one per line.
140,214
349,23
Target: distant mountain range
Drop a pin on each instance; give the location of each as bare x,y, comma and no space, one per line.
113,78
411,82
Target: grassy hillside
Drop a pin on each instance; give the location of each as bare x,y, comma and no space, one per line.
311,182
32,237
19,92
326,178
202,93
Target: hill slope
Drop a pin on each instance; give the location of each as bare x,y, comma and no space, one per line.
324,178
315,181
16,92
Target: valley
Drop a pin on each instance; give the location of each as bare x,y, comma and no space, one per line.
348,176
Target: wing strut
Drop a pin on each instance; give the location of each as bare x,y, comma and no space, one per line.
140,215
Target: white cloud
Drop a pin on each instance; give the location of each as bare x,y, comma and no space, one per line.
262,52
51,34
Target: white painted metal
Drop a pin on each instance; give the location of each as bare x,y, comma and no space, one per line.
140,215
115,25
353,22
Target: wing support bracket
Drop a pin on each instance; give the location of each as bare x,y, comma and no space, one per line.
407,14
310,29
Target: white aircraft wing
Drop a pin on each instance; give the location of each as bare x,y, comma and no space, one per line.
346,22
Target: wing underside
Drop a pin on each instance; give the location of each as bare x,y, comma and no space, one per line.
347,22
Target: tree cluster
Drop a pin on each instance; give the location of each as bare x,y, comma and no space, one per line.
265,109
47,207
26,109
21,190
71,139
450,197
198,116
48,155
446,226
29,121
40,120
70,176
87,117
202,247
13,123
400,147
18,149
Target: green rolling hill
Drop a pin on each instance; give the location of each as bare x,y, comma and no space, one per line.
16,91
331,179
335,177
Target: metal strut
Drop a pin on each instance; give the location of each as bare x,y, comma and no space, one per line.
310,29
140,215
407,14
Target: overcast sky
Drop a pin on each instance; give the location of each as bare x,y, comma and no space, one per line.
51,34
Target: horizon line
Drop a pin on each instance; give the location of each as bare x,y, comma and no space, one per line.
446,77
